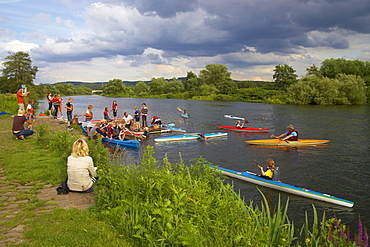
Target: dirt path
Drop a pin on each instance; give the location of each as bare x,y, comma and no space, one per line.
12,204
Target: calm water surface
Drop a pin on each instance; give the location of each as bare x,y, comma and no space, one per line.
341,168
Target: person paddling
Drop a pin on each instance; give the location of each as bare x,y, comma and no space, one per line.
290,135
238,125
271,172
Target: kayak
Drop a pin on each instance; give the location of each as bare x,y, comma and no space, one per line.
244,129
174,129
184,115
278,185
234,117
134,134
278,142
121,143
189,137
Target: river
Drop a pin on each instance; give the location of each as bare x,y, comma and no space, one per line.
341,168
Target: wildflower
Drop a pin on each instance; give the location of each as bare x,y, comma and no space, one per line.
307,240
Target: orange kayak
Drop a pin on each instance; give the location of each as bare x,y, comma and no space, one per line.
278,142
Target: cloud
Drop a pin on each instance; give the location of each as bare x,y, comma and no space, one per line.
16,45
42,17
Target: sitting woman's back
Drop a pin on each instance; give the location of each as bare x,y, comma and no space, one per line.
80,168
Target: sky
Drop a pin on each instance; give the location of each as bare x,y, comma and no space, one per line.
133,40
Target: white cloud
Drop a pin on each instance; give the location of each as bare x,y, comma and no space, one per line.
17,45
41,17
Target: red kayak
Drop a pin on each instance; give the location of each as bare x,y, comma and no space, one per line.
244,129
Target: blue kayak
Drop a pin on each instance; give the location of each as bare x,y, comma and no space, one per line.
121,143
278,185
184,115
174,129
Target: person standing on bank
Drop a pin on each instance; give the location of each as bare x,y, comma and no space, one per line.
80,168
18,129
69,108
20,98
49,97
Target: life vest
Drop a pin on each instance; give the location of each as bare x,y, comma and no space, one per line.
293,138
69,107
273,174
75,121
89,115
30,110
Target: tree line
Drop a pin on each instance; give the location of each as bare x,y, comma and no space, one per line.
336,82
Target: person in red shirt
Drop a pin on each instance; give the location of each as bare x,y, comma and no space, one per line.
20,98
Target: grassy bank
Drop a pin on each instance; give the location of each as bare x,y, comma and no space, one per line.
155,203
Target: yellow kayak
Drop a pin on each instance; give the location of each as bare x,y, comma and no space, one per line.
278,142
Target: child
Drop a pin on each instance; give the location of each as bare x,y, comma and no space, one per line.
75,120
30,110
115,109
106,114
137,118
88,117
69,108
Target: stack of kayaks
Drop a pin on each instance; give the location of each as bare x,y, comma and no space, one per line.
279,142
189,137
278,185
244,129
121,143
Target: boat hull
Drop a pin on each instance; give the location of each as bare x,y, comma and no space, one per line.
173,129
278,142
244,129
125,143
278,185
188,137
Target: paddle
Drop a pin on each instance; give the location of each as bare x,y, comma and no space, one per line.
178,108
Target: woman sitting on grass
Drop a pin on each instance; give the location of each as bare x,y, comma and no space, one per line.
80,168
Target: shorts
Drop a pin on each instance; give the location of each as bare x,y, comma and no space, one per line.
89,124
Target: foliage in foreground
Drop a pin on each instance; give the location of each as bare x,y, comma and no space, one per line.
168,204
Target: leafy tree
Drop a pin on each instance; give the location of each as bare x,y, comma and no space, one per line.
313,71
218,76
18,70
354,89
141,89
175,86
158,86
246,84
284,76
191,83
205,90
114,87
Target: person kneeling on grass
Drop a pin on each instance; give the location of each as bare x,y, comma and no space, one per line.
18,126
80,169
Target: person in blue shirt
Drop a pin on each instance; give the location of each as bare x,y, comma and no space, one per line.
290,135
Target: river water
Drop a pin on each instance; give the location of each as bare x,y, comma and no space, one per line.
341,168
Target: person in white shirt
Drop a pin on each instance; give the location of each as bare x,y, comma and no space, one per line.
128,120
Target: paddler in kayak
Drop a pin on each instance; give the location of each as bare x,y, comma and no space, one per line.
238,125
271,172
290,135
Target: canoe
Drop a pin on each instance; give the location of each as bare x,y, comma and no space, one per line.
174,129
234,117
186,137
121,144
244,129
278,142
278,185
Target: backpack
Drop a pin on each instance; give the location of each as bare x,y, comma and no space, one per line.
63,188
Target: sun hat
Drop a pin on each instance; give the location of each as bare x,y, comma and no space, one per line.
290,127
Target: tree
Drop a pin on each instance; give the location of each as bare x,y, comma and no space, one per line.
18,70
284,76
141,89
191,83
114,87
218,76
175,86
158,86
313,71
